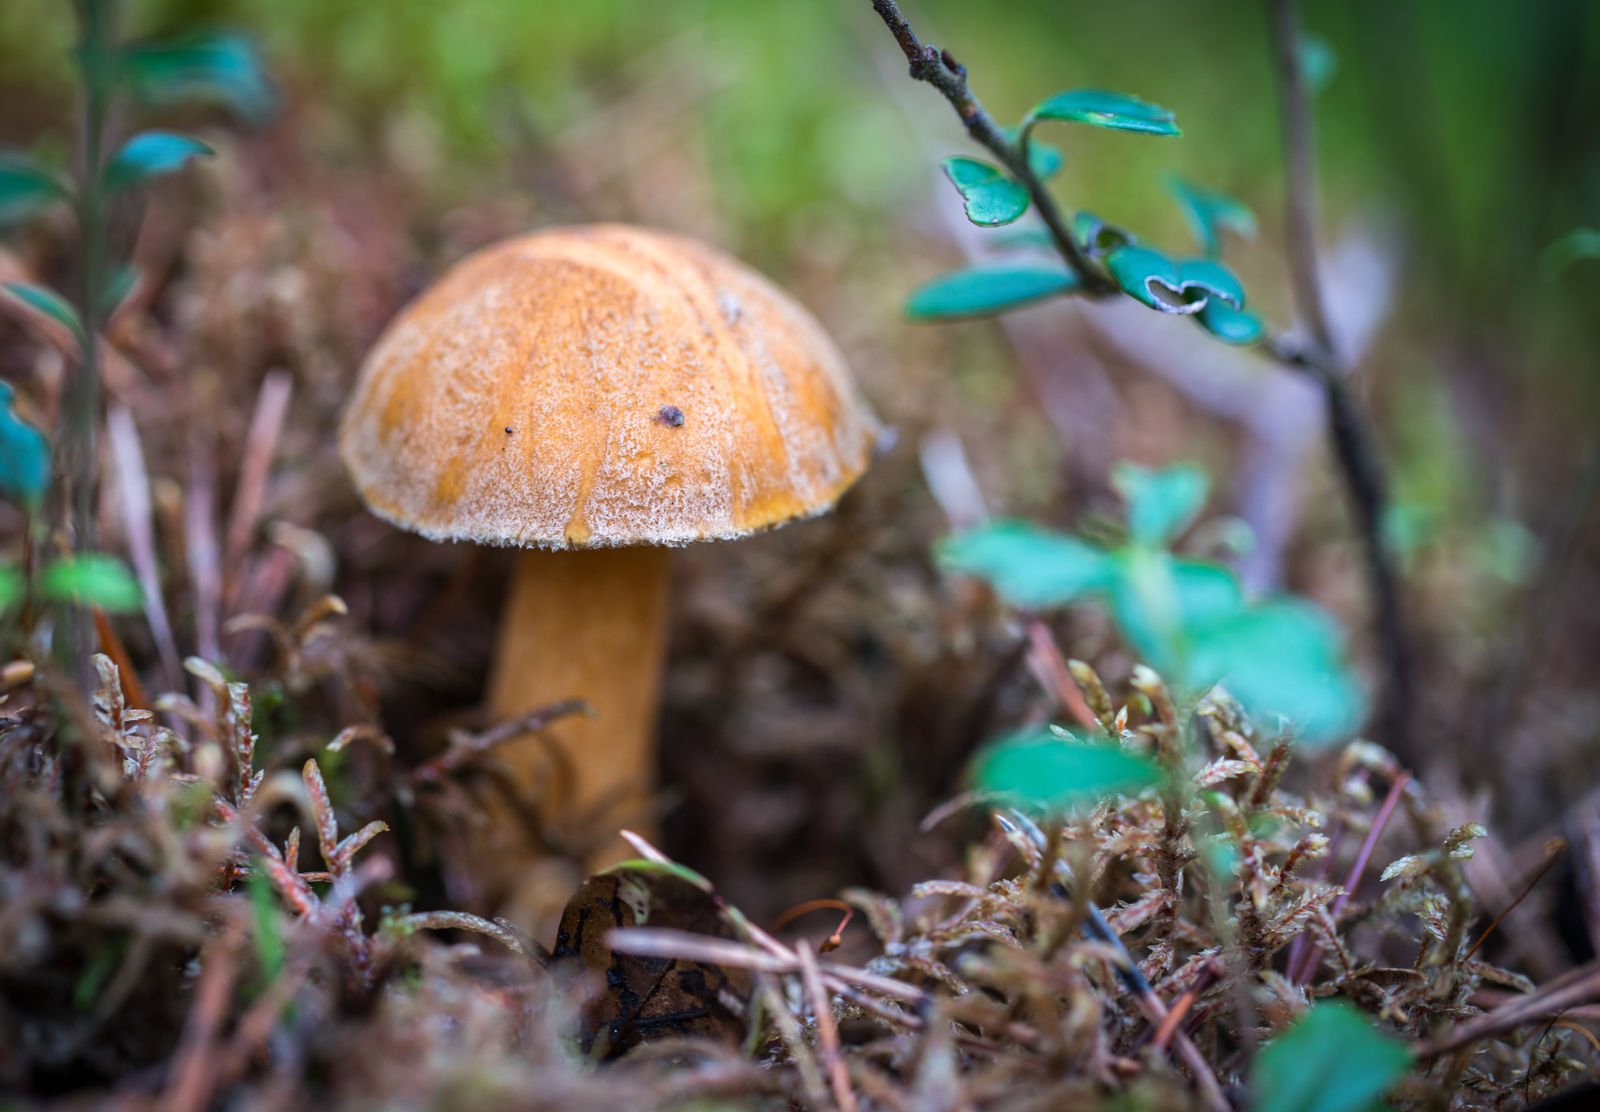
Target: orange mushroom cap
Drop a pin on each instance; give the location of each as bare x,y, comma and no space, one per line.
603,385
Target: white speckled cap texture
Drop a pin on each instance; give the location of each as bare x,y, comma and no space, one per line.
603,385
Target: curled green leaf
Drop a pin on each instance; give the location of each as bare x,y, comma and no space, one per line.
984,291
1230,325
26,188
1209,213
1104,108
1099,237
1150,277
222,66
93,579
152,154
51,304
24,454
1211,276
992,197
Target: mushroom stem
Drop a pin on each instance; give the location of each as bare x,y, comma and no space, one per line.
590,624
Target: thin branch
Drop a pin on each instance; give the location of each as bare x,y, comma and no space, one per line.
944,73
1573,987
1353,440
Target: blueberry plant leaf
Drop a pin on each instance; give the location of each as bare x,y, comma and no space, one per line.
51,304
1333,1060
1029,566
1044,160
1103,108
152,154
1209,213
1045,770
1161,503
984,291
24,455
1152,279
93,579
1099,237
992,196
1281,657
26,188
1159,600
1216,280
222,67
1230,325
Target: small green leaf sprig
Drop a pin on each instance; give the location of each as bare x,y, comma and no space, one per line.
223,68
1101,259
1187,618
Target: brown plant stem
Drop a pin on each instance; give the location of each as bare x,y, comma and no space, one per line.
827,1033
1353,441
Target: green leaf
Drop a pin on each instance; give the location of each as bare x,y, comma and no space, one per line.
1029,566
51,304
1283,657
24,455
1578,244
1045,770
26,188
221,67
1230,325
93,580
1098,237
1209,214
663,868
1103,108
1211,276
1161,503
11,585
118,289
270,948
984,291
1333,1060
992,197
1044,160
1319,62
1150,277
152,154
1159,600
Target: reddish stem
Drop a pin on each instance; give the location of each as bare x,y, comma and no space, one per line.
1314,956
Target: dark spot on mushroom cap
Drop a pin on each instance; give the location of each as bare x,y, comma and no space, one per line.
508,430
671,416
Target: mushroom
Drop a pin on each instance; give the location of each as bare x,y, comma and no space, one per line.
591,395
